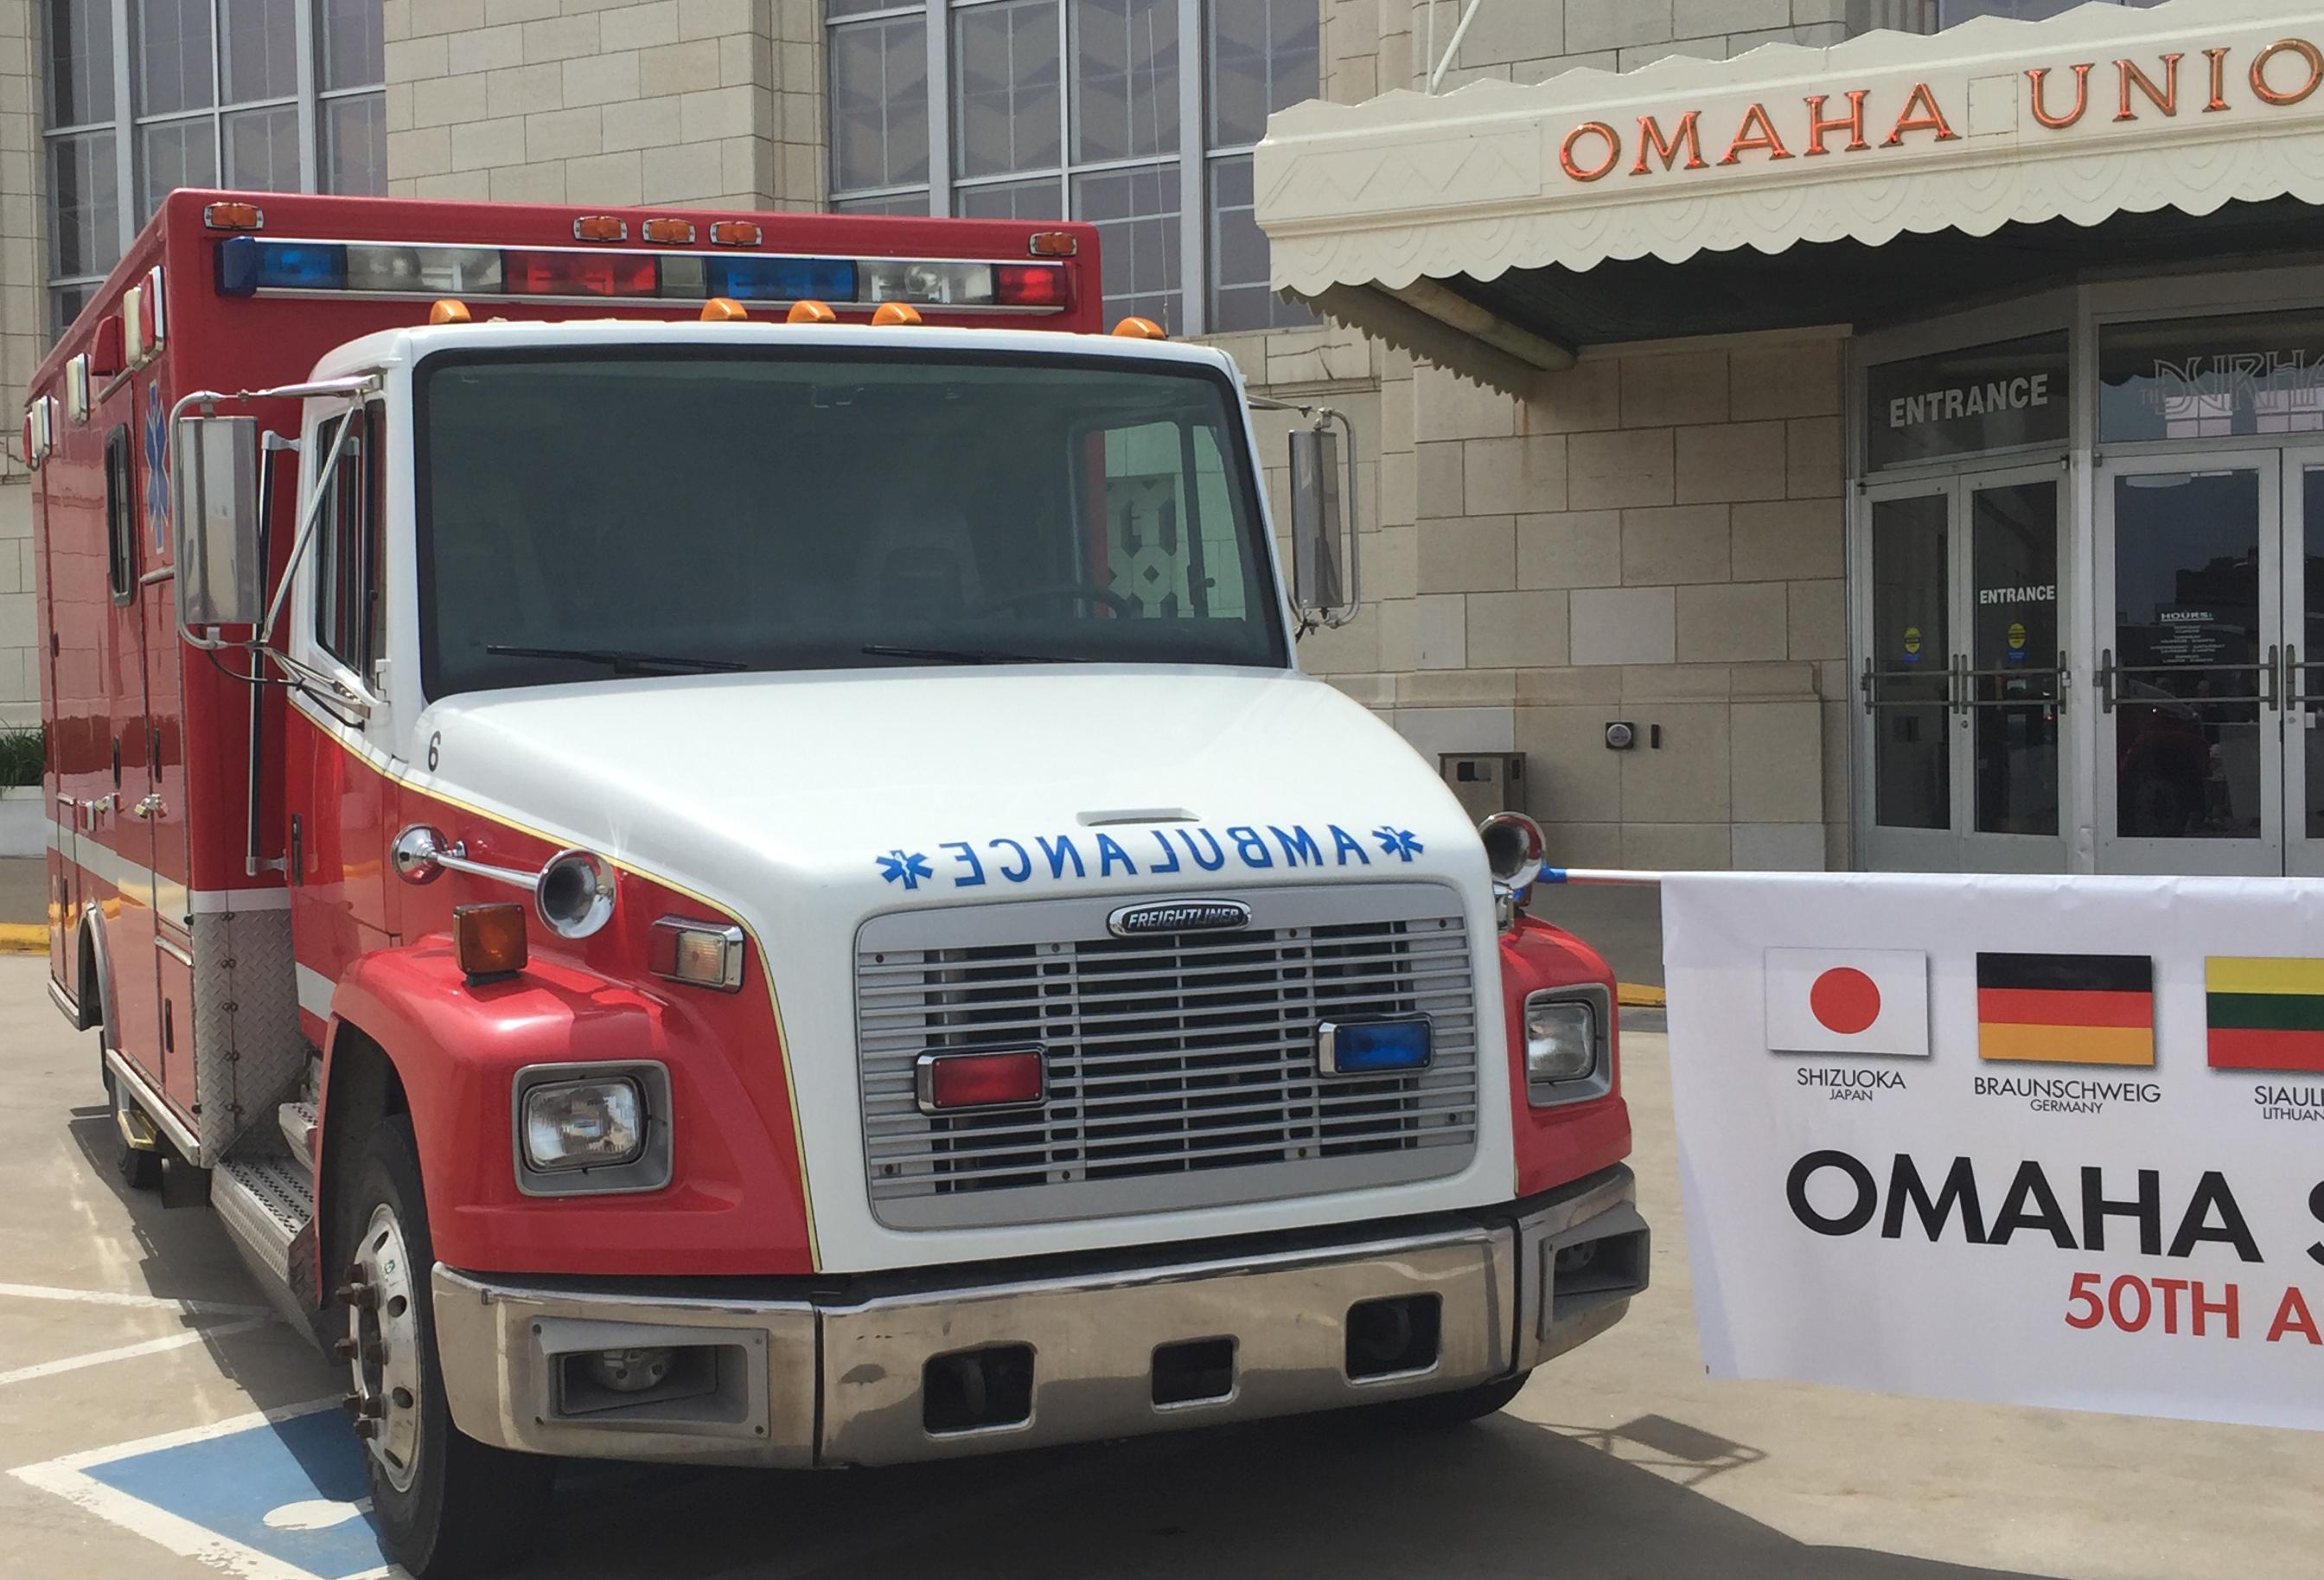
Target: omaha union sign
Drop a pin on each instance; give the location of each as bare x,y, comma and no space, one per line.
2213,81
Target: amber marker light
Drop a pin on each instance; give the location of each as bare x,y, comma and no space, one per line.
1054,243
891,313
488,940
447,312
811,312
722,309
1140,329
669,232
233,216
734,233
601,227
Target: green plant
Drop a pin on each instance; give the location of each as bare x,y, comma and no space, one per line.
20,757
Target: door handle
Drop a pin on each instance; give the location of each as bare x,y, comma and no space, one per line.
151,807
2271,672
2105,680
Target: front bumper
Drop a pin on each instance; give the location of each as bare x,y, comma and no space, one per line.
894,1371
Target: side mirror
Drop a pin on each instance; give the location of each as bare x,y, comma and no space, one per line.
214,475
1322,513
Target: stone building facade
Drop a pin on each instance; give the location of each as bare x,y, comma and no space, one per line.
1655,536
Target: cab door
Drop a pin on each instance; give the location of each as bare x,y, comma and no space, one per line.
341,756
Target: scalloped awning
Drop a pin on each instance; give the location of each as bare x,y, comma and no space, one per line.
1500,227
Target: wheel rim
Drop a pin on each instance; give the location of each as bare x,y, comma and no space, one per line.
385,1328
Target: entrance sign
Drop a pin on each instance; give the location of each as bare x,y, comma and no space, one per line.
1968,402
2098,1184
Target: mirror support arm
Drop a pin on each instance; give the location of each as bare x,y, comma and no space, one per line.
1355,533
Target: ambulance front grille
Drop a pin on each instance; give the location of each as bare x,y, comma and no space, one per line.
1181,1068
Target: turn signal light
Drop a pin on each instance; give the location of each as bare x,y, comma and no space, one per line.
1140,329
601,227
669,232
946,1083
447,312
722,309
734,233
488,940
889,313
233,216
811,312
1054,244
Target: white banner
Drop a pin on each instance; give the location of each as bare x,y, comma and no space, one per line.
2036,1141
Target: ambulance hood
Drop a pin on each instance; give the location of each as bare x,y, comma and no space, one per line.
958,786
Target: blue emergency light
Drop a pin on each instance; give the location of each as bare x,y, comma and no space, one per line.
747,279
1373,1048
246,265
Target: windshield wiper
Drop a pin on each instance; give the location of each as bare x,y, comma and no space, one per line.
957,655
620,660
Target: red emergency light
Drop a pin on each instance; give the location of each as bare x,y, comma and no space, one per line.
530,274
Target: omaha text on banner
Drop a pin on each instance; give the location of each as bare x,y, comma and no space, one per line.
2052,1142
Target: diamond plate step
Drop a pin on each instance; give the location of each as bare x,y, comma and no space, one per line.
266,1201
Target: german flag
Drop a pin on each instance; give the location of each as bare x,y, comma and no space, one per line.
2066,1009
2265,1014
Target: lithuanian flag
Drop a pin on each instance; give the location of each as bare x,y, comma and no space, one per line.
2066,1009
2265,1014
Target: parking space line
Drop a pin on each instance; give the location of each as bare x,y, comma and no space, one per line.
69,1477
136,1302
152,1346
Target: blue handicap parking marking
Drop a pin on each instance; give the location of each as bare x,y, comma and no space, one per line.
289,1489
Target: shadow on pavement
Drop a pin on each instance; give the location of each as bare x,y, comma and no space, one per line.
1331,1497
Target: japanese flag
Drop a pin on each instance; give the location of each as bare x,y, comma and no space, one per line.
1848,1001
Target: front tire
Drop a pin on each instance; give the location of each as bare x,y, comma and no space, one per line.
446,1505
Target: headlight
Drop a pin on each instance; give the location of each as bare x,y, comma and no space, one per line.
1561,1039
584,1125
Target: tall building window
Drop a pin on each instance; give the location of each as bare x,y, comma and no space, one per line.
1137,116
145,96
1952,12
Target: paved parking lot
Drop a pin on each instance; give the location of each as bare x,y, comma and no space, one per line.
159,1424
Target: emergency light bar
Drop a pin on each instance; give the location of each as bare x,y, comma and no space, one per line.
248,266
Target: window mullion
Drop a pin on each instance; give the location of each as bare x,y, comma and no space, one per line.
217,93
311,153
1065,94
124,130
1194,200
939,115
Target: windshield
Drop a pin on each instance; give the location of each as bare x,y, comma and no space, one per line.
593,514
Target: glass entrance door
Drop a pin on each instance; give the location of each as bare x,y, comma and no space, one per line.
2191,771
1964,676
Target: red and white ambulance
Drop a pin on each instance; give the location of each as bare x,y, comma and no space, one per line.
705,832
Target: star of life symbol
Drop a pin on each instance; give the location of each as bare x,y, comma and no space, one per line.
905,867
1397,842
157,470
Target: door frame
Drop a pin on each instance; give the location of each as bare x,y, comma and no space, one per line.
2260,857
1959,847
2302,677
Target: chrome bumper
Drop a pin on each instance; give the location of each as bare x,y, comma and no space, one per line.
809,1381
